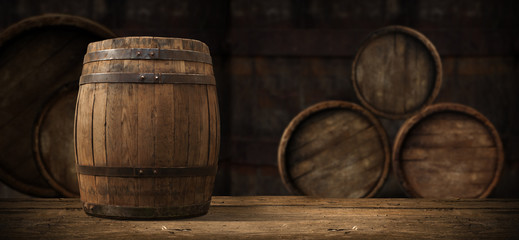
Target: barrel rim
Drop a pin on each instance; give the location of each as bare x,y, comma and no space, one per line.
101,42
146,213
36,144
429,46
54,19
28,24
316,108
410,123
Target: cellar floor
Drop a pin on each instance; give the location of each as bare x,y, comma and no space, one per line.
275,217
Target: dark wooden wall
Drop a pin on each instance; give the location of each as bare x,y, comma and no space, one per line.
273,58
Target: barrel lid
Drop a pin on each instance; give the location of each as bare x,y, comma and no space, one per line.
448,150
37,56
334,149
396,72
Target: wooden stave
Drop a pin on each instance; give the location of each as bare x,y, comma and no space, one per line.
294,123
438,108
33,24
420,37
150,212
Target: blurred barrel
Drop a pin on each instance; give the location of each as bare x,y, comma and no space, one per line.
334,149
38,56
54,141
147,128
396,72
448,151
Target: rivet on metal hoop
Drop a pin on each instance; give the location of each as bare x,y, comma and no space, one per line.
142,77
141,171
152,53
157,77
154,171
138,53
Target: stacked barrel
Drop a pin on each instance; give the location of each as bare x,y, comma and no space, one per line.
443,150
41,63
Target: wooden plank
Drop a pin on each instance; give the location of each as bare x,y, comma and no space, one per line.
294,201
203,140
84,140
129,141
338,14
114,150
99,139
301,42
292,217
181,131
164,152
450,123
193,128
181,120
214,136
146,129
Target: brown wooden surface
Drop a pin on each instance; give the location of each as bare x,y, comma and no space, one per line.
54,142
284,28
396,72
448,150
147,125
272,59
37,56
275,218
334,149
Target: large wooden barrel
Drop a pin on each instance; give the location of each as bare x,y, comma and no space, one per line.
448,151
334,149
37,57
54,141
396,72
147,128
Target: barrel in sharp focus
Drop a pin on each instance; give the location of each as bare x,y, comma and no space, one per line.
147,128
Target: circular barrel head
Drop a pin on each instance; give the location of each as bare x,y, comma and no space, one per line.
448,151
396,72
334,149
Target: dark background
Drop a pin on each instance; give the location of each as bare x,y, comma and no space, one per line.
274,58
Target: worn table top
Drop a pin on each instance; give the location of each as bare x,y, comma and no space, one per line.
273,218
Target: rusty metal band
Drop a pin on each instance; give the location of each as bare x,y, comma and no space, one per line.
160,78
147,172
124,212
148,54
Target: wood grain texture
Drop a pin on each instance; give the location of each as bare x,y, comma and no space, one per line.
293,217
396,72
148,126
37,56
448,151
53,142
334,149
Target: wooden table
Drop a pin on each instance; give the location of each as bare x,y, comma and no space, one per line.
274,217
